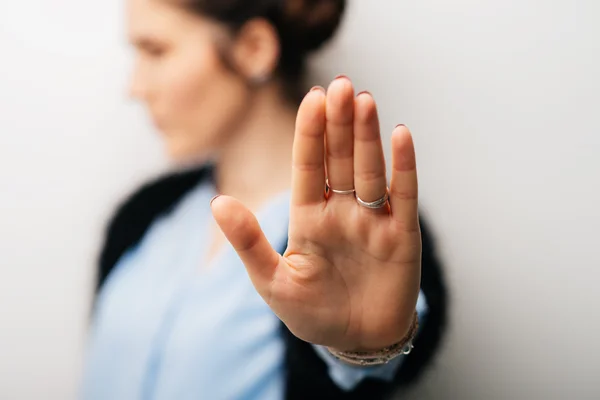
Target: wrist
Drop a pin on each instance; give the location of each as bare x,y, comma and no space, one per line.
369,356
386,336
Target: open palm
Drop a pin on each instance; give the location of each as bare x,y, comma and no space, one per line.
350,276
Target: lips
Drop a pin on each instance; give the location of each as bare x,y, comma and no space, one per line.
158,122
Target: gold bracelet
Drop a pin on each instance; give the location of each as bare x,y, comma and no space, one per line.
381,356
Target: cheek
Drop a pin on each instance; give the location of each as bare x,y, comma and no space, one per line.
204,99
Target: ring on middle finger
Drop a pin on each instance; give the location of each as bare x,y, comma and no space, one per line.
348,191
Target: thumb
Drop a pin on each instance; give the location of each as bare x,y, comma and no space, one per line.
241,228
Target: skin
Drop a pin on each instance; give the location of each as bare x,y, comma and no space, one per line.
350,277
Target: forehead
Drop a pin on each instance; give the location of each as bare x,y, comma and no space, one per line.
147,17
167,19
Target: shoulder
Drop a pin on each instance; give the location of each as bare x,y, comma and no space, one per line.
137,212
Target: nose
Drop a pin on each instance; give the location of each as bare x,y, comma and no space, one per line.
137,84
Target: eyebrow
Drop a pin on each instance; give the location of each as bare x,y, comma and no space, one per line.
144,40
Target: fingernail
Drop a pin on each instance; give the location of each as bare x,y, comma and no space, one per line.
315,88
398,126
364,92
341,76
213,199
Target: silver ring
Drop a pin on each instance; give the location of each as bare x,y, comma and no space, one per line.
349,191
379,203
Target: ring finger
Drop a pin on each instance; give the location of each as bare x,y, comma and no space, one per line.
369,162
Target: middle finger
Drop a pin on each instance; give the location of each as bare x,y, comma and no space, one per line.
339,134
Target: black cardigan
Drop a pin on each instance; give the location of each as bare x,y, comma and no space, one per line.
306,373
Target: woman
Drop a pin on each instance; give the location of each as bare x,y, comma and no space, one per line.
177,317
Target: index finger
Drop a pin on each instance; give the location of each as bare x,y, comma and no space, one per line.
308,165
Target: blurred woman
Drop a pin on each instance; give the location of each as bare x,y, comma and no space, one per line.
280,265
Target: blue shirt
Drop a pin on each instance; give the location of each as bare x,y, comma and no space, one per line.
167,327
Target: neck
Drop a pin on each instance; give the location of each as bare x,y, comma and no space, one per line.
257,163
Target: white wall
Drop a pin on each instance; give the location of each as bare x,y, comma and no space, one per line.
504,101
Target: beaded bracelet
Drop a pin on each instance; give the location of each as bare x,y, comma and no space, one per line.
382,356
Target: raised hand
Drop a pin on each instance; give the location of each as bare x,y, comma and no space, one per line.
351,274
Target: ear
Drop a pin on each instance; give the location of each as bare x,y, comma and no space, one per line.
257,49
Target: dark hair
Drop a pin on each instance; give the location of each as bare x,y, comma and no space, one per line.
303,26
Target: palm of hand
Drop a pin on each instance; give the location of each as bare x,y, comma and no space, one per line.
350,276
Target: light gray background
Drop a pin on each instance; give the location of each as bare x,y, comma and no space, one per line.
503,99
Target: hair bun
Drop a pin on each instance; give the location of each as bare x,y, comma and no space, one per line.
308,24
